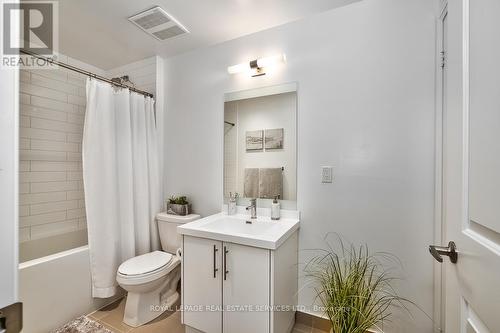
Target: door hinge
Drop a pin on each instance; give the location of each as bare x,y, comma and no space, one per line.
443,59
11,318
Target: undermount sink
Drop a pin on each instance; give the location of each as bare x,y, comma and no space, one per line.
261,232
241,226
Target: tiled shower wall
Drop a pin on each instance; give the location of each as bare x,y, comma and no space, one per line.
52,111
52,108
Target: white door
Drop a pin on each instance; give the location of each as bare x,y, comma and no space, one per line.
202,284
471,182
246,289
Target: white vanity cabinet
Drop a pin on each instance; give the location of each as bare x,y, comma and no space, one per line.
232,288
201,283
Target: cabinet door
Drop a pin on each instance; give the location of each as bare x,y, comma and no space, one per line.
246,289
202,284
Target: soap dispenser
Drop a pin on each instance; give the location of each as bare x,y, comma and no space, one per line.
275,209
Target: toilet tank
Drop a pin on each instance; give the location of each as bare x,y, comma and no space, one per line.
167,229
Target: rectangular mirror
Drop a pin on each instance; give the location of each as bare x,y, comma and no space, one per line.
260,145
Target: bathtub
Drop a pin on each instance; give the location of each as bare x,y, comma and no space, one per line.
56,289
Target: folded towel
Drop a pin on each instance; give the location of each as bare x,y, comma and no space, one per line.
270,183
251,184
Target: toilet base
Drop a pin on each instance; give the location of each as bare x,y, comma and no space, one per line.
141,308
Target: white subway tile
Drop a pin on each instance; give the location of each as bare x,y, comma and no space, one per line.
52,229
24,210
77,100
24,121
53,146
36,177
35,198
42,219
74,156
55,73
76,213
24,98
73,195
75,175
24,234
82,223
82,91
72,137
75,118
52,110
24,188
55,166
58,85
24,75
36,133
56,125
43,92
24,143
53,207
54,186
42,155
24,166
77,79
39,112
53,104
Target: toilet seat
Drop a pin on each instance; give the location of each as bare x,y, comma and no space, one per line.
146,268
145,263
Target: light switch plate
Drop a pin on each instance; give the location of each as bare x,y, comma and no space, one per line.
326,174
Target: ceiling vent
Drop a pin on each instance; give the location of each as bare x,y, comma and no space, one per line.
158,23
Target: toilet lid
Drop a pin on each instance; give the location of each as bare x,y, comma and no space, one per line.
145,263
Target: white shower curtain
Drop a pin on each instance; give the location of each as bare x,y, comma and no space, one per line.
121,178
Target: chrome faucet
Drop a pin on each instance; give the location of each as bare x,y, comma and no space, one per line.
253,208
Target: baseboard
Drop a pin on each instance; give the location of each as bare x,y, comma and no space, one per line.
313,321
316,321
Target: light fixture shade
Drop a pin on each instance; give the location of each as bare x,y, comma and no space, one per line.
258,65
271,61
240,68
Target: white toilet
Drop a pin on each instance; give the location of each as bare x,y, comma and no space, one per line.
151,279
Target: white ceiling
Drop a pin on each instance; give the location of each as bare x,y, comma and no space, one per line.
98,32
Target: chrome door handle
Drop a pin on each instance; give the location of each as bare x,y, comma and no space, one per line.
439,251
215,260
226,272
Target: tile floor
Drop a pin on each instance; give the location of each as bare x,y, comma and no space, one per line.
111,317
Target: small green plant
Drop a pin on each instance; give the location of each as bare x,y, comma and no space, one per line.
354,287
180,200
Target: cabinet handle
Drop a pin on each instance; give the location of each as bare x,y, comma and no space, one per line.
226,272
215,259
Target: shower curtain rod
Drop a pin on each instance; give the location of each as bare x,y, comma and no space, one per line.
84,72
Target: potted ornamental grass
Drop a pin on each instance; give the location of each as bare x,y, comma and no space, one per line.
178,205
354,287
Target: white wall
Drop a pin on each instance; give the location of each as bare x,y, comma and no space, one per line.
365,105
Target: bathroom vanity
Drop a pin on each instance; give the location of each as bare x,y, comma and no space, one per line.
240,275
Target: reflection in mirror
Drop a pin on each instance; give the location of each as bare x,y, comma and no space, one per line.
260,147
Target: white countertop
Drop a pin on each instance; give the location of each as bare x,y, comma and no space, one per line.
261,232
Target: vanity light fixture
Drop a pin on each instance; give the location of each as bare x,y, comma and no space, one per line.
257,67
